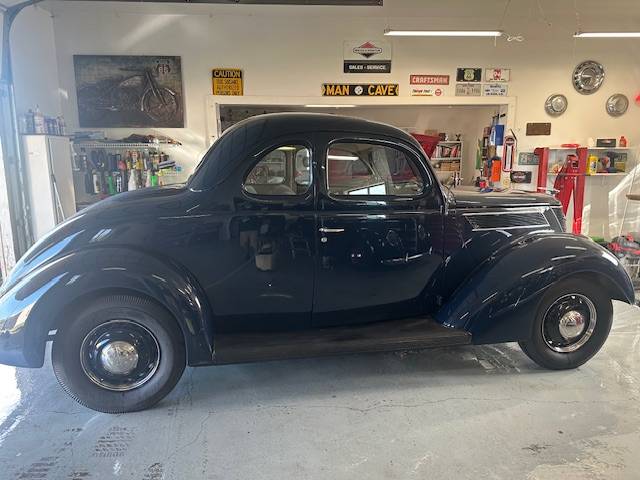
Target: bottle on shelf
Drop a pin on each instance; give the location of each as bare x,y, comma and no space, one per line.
133,184
38,122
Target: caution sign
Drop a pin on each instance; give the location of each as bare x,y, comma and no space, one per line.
360,90
227,81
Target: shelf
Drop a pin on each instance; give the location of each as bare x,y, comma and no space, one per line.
122,145
454,142
446,159
617,174
589,148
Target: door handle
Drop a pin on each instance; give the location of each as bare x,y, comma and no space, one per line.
331,230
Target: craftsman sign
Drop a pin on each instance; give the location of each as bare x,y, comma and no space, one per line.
367,57
227,81
497,75
359,89
429,79
468,90
465,74
494,90
426,91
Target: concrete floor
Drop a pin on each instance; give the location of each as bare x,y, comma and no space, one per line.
463,413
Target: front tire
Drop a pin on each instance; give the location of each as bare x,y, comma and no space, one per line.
573,321
119,354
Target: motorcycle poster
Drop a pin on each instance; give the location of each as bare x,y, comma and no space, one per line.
129,91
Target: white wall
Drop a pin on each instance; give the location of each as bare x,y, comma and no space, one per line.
35,67
291,51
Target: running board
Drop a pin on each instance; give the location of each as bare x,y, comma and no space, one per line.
404,334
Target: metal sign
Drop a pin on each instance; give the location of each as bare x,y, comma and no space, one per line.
468,90
367,57
494,90
509,153
359,89
426,91
227,81
497,74
465,74
429,79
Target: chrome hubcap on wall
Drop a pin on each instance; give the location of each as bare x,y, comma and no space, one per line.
119,355
569,323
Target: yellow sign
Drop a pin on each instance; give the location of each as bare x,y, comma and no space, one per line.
359,89
227,81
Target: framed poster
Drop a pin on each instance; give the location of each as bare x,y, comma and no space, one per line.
129,91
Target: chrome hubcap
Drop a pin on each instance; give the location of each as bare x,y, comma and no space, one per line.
569,323
120,355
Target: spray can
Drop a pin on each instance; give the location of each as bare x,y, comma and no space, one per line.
97,184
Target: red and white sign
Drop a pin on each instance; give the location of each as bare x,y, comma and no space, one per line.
497,74
429,79
509,153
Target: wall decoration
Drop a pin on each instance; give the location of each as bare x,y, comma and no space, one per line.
588,77
508,156
617,104
468,90
129,91
494,90
429,79
519,176
227,81
427,91
528,158
497,74
367,57
540,128
465,74
359,89
556,104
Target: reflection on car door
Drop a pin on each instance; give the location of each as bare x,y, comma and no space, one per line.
380,229
261,253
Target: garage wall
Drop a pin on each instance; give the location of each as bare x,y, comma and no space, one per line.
290,51
35,67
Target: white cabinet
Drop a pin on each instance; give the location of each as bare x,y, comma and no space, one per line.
50,181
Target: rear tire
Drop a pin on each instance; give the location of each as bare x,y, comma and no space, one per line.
119,354
573,321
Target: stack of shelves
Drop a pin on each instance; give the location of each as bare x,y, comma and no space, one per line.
447,157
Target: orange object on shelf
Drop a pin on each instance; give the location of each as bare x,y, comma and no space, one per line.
496,166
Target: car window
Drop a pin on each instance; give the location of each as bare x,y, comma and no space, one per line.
370,169
285,170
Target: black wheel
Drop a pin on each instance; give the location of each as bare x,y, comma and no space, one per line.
119,354
573,321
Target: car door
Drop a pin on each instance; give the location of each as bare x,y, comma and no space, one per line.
260,241
380,230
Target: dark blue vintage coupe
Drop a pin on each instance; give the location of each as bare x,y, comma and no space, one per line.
300,235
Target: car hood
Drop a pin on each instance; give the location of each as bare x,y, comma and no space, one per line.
469,199
127,206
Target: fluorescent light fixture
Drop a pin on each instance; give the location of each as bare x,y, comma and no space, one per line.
443,33
329,106
348,158
606,35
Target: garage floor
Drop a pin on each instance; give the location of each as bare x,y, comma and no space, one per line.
473,412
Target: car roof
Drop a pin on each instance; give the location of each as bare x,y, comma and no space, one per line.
243,137
300,122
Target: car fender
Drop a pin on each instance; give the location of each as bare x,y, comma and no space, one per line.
39,302
498,301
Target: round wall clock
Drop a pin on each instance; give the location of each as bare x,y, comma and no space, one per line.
556,104
617,104
588,77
